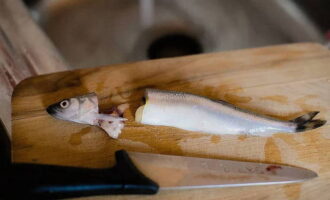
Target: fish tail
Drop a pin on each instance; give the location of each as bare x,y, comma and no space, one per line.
306,122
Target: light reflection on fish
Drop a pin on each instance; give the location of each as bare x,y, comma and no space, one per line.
85,110
197,113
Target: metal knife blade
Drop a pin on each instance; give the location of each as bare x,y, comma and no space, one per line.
179,172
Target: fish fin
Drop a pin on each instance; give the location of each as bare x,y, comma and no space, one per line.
306,122
111,125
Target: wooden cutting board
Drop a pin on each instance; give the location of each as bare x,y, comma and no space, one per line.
281,81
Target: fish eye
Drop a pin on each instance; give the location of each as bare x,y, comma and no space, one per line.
64,103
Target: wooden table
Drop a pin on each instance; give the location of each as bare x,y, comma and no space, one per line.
282,81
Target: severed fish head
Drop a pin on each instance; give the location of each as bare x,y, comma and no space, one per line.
81,109
84,109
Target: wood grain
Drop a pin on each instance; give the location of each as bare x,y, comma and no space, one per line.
25,51
282,81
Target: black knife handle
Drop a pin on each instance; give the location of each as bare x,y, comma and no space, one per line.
5,148
31,181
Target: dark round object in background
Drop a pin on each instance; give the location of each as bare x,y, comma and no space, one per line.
173,45
31,3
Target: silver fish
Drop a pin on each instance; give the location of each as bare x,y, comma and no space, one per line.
197,113
84,109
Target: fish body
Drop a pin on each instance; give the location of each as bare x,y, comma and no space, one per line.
85,110
197,113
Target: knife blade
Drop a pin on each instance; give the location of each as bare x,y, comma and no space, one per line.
179,172
140,173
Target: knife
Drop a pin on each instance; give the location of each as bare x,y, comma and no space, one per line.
5,150
141,173
134,173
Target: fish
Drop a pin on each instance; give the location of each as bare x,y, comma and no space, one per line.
84,109
201,114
